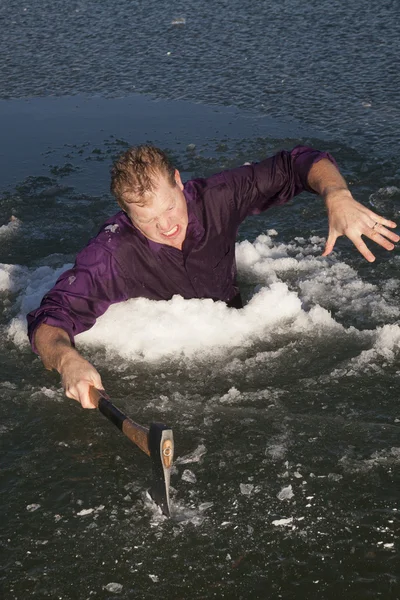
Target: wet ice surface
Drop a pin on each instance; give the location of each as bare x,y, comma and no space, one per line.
287,441
285,414
217,55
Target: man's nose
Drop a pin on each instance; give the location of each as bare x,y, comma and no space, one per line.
163,223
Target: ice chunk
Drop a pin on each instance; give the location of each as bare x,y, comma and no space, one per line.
286,493
282,522
193,457
205,506
85,511
231,396
335,476
154,578
11,227
181,21
32,507
246,488
115,588
112,228
189,476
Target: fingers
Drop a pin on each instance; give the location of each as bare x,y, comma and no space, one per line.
84,397
361,247
80,393
379,239
78,376
77,386
375,236
378,230
330,243
378,220
350,218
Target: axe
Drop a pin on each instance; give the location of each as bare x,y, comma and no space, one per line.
157,441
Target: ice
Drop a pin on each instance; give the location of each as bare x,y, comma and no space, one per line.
180,513
205,506
335,476
246,488
180,21
85,511
286,493
112,228
32,507
276,451
115,588
386,346
379,198
139,329
47,393
193,457
389,456
12,277
231,396
189,476
12,226
154,578
34,283
282,522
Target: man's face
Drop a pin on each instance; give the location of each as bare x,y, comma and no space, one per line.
164,219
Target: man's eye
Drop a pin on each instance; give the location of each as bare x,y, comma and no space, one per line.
172,207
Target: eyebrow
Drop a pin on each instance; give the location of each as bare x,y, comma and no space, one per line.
144,221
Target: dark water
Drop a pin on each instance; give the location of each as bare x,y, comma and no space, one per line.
287,436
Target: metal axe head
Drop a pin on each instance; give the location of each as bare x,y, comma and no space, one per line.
161,446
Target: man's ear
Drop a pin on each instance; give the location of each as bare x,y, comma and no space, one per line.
178,179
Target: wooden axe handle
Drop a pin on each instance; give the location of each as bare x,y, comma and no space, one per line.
135,432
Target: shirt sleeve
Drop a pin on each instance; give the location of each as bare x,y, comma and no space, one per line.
275,180
81,294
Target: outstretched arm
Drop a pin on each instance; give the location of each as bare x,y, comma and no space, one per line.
347,216
77,374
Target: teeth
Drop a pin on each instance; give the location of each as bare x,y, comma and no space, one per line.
171,231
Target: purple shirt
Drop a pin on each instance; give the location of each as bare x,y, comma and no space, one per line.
121,263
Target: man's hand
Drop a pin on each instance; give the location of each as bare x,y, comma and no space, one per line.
350,218
347,216
77,374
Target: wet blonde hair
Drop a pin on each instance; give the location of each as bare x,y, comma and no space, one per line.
133,174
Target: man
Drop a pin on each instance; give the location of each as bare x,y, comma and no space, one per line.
172,238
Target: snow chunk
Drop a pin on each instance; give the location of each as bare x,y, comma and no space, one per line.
115,588
112,228
85,511
282,522
205,506
193,457
11,227
286,493
246,488
188,476
231,396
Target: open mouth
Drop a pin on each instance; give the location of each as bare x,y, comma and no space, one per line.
172,232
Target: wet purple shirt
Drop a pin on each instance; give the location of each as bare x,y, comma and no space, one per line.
121,263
